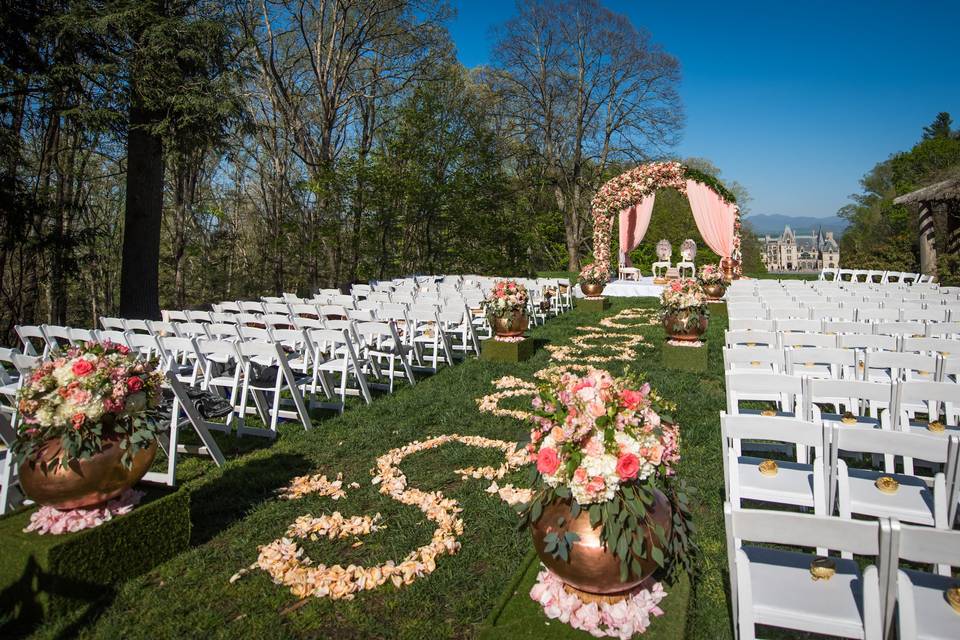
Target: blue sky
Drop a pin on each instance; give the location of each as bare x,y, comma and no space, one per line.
796,100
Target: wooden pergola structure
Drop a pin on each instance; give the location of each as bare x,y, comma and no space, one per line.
941,196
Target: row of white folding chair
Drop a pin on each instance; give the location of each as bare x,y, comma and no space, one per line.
863,312
833,338
911,329
14,368
772,585
891,404
825,482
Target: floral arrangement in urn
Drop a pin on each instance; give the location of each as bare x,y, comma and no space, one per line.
683,309
605,452
712,280
506,307
91,400
592,279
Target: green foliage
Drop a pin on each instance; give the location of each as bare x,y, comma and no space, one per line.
883,235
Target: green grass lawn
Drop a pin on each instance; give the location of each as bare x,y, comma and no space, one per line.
234,511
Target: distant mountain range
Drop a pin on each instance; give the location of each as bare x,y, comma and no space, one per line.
773,224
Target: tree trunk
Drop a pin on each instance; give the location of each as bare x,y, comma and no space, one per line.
140,270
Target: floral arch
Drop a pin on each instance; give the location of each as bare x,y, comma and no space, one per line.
631,194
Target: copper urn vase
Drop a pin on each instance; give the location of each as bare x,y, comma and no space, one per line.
592,568
679,327
510,326
729,266
714,290
591,290
82,483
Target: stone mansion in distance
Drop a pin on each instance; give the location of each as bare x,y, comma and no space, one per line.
803,253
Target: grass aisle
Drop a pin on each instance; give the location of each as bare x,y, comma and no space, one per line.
234,512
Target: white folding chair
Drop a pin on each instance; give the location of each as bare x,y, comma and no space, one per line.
931,398
334,354
755,359
793,482
856,492
112,324
749,338
773,586
785,391
381,342
821,362
922,609
934,346
267,371
33,341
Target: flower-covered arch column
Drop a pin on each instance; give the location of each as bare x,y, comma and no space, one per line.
714,207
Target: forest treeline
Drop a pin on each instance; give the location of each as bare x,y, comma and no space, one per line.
883,235
176,152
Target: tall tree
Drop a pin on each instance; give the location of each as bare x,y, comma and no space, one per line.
585,88
939,128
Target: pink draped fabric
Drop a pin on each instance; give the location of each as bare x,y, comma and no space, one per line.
633,226
714,217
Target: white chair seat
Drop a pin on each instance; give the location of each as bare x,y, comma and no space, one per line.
934,617
793,483
785,595
913,501
337,364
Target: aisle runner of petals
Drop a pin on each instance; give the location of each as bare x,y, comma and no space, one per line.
631,615
285,562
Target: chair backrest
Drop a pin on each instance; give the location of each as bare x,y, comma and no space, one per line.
847,327
930,393
112,335
743,386
932,448
861,537
943,329
363,315
190,329
161,328
823,340
856,396
173,315
805,360
757,359
798,325
335,311
136,325
752,338
832,312
751,324
143,343
926,545
202,316
221,331
254,333
900,328
250,306
79,336
868,341
32,338
304,310
930,314
278,320
942,346
867,314
900,365
112,324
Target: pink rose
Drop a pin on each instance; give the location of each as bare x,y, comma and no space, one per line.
547,461
580,475
627,466
134,384
77,420
596,485
593,447
81,367
631,399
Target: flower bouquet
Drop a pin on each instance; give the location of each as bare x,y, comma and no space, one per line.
506,308
607,511
712,280
683,310
592,279
87,430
